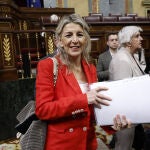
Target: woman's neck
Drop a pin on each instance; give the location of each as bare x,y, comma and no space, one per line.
77,69
75,63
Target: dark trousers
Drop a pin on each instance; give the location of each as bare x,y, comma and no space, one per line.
147,140
139,137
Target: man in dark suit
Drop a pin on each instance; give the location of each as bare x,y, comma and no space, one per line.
105,57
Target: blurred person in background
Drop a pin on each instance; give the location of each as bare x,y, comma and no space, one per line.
105,57
125,65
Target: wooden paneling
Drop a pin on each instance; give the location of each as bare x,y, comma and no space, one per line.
99,31
13,19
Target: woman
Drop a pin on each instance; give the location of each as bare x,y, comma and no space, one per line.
124,65
68,106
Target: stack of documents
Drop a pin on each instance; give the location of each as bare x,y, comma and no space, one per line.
130,97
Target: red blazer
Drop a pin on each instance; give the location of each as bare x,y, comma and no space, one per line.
65,107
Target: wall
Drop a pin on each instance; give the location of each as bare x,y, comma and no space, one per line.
81,9
104,6
138,8
49,3
112,6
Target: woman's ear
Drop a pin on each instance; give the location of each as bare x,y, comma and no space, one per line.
60,43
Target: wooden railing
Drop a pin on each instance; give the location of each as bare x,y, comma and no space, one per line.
21,51
25,25
32,45
21,48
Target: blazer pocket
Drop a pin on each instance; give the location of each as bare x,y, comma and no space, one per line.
54,129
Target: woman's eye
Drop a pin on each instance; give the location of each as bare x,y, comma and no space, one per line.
137,35
68,35
80,35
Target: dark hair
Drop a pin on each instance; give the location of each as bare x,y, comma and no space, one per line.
111,33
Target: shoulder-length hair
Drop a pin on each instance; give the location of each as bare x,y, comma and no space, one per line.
73,18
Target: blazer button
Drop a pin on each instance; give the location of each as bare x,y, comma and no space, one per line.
73,113
81,110
84,128
71,130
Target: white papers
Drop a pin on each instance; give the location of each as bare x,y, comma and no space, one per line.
130,97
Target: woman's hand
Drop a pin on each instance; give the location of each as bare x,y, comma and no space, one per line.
95,97
120,122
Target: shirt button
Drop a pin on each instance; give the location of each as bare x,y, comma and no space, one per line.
84,128
71,130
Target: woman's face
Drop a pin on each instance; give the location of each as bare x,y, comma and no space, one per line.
136,41
73,39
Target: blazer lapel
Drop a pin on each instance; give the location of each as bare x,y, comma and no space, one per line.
87,71
109,58
109,55
134,65
70,79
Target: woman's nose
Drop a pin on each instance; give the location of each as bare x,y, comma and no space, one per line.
75,39
141,38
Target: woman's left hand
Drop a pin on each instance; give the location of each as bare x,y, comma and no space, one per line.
120,122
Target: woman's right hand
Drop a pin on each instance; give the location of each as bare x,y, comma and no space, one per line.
95,97
120,122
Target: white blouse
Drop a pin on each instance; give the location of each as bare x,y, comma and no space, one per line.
84,87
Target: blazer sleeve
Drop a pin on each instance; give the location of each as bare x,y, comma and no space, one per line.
47,106
102,68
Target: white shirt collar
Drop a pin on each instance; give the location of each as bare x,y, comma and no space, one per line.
113,53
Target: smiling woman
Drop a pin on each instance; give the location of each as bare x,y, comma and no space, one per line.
73,35
73,39
68,106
